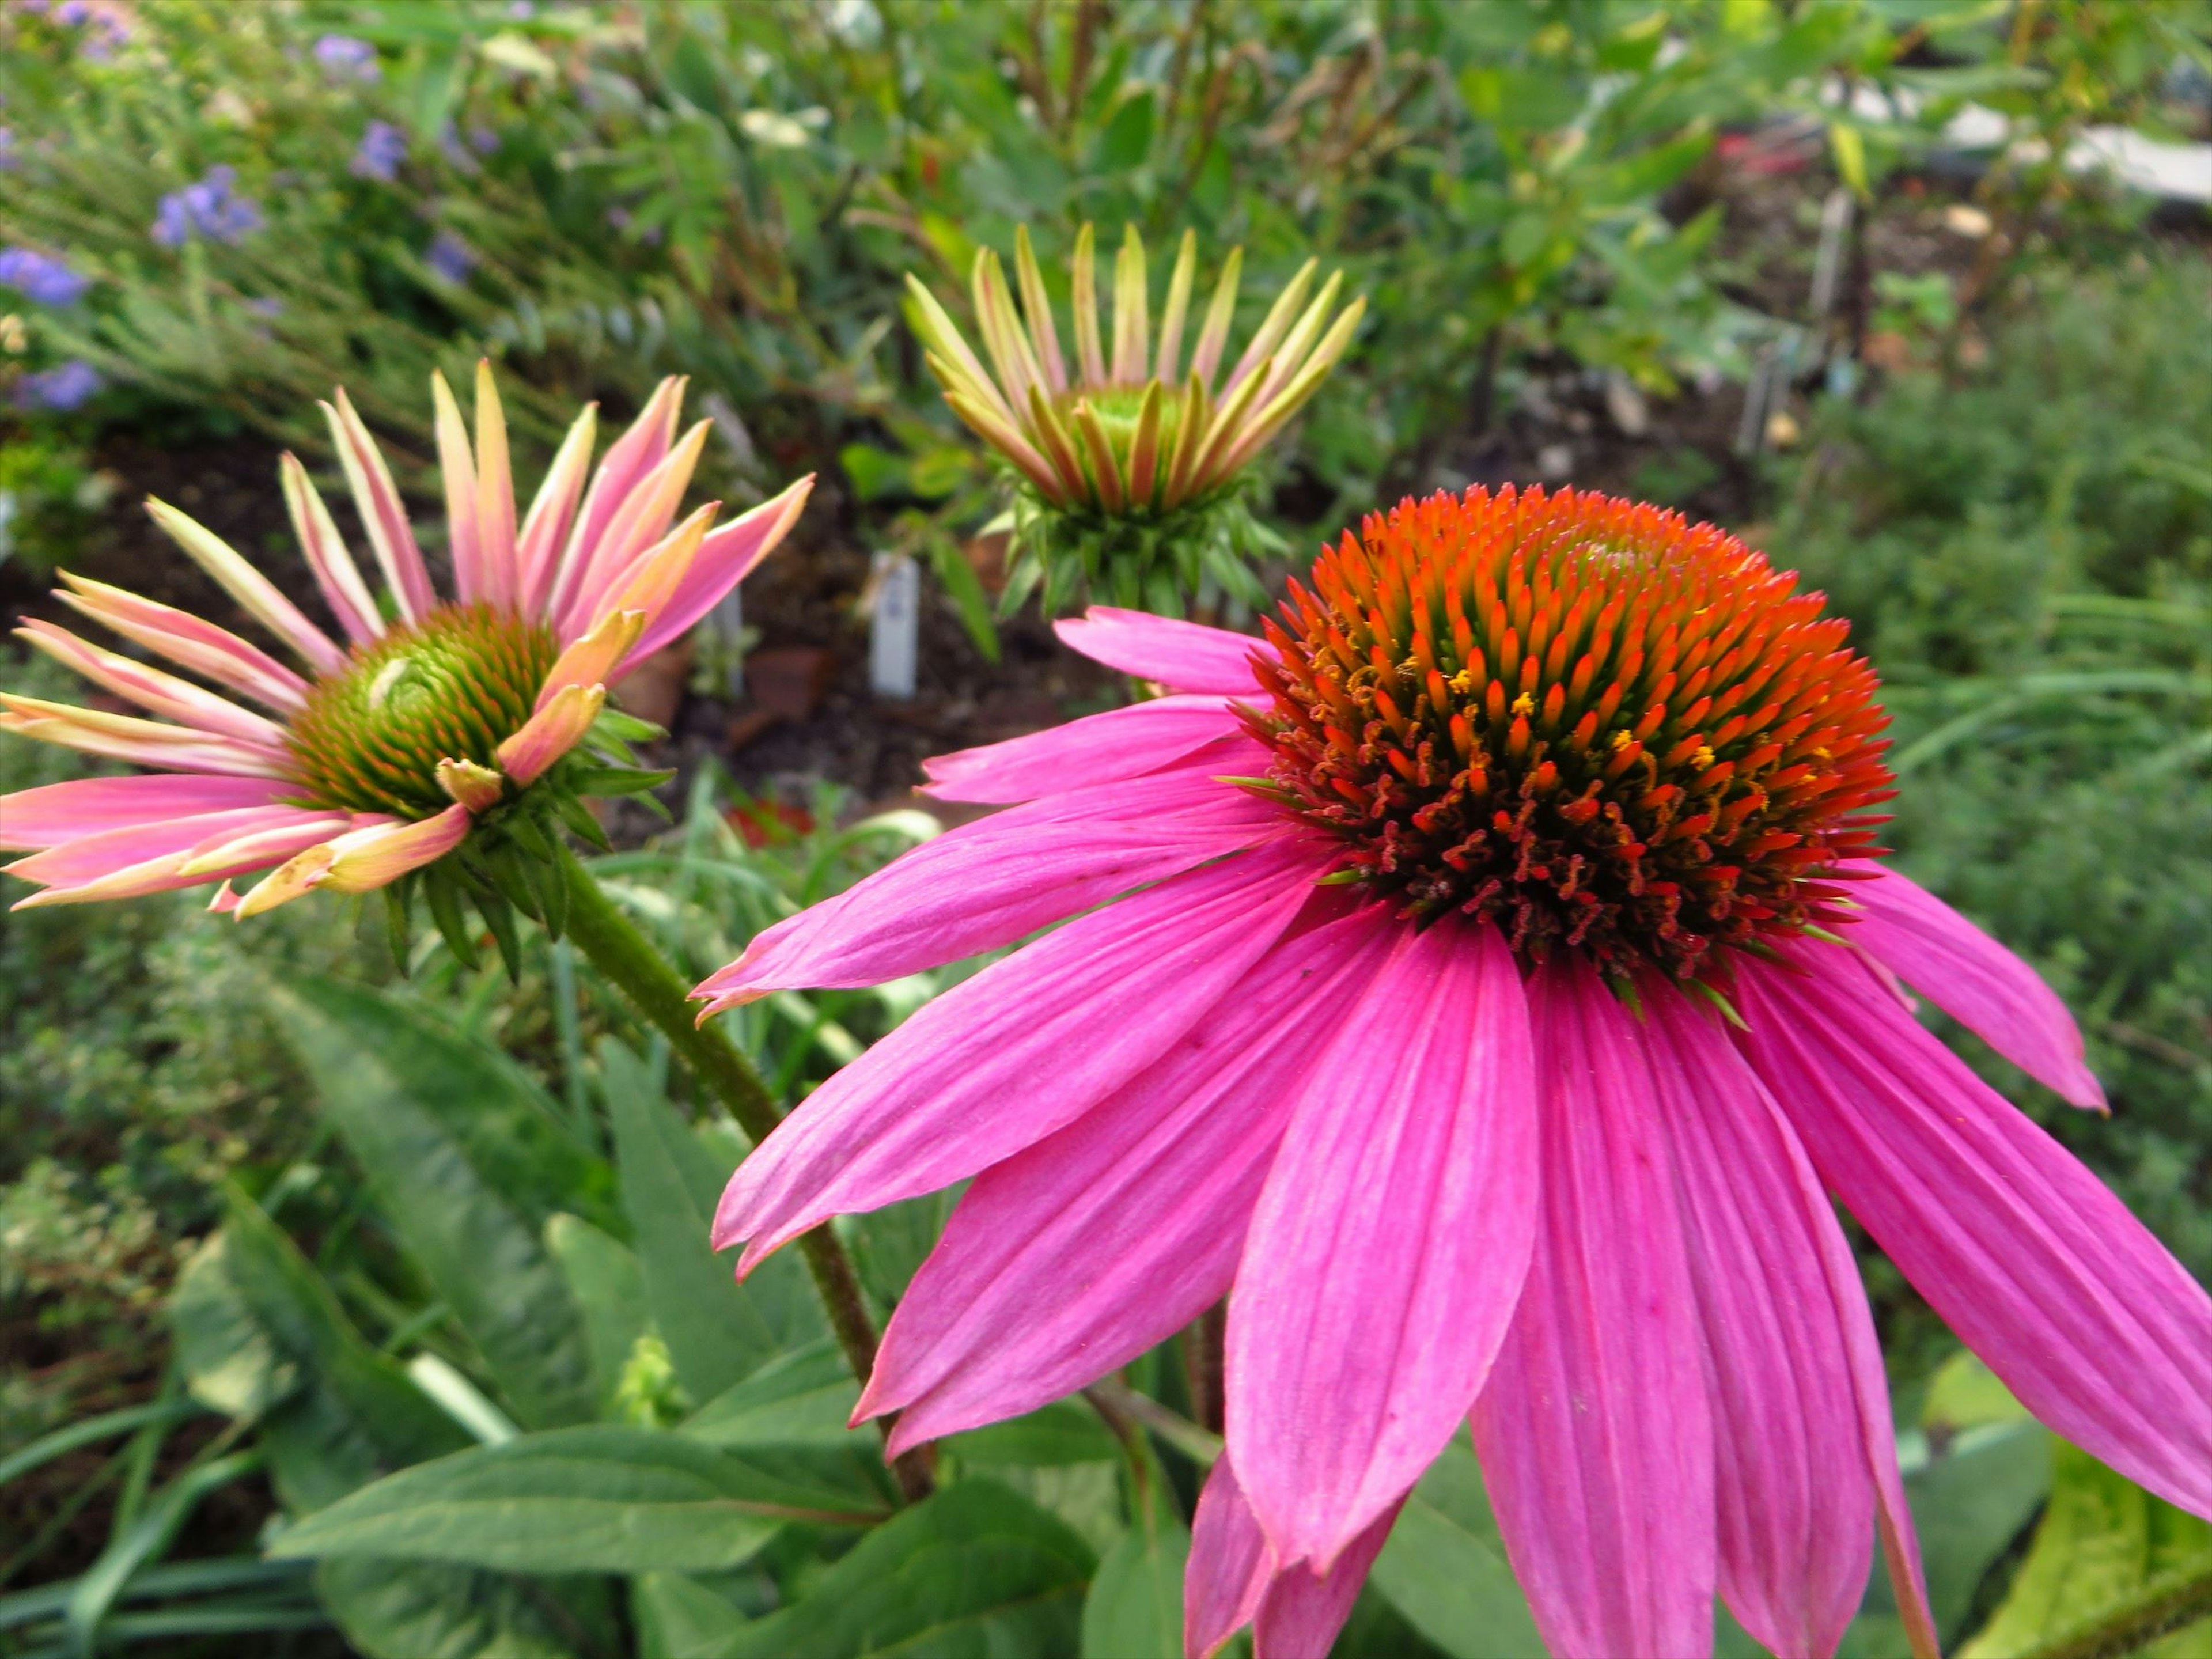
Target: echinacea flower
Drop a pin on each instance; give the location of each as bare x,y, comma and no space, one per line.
1483,982
1123,452
434,719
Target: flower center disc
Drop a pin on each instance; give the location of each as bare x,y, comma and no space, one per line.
1590,720
453,685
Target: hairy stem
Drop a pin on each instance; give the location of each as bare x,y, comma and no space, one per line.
628,960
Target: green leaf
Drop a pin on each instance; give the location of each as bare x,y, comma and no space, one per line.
803,1398
258,1336
1444,1566
679,1618
608,1287
392,1612
1968,1506
1134,1610
2103,1542
598,1499
718,1331
974,1570
467,1160
1066,1432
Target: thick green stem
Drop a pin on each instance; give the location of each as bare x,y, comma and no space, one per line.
2164,1606
628,959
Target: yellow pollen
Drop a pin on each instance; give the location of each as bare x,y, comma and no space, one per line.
1703,758
1524,704
1463,682
1621,739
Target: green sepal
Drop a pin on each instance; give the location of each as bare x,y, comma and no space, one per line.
1719,999
627,728
511,875
578,816
530,835
398,924
443,893
499,917
1340,879
618,779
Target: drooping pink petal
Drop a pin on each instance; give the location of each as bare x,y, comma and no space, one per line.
1595,1437
151,689
728,555
1791,1354
1029,1044
628,460
57,812
1232,1581
1186,656
224,854
335,574
537,547
1121,743
90,857
1972,978
1228,1568
2025,1254
126,737
550,733
183,638
992,882
255,593
1387,1252
1105,1238
377,499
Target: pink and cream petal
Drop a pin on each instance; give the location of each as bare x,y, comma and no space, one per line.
2025,1252
1595,1431
335,574
377,499
246,851
1186,656
1025,1047
1972,978
550,733
457,471
254,591
152,690
990,882
87,857
184,639
1385,1255
56,812
634,534
538,549
1105,1238
653,579
364,859
476,787
1809,1458
495,551
148,742
591,661
1121,743
727,554
630,458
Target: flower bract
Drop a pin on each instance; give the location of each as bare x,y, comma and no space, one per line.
1128,455
1483,982
428,725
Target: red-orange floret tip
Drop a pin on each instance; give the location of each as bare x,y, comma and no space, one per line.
1599,725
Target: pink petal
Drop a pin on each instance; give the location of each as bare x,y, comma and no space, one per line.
382,515
1595,1434
1029,1044
232,852
152,690
633,532
1791,1354
1121,743
550,733
183,638
335,574
147,743
1186,656
628,460
90,857
58,812
551,513
1232,1581
990,882
1389,1246
457,472
726,557
1077,1254
1975,980
2024,1252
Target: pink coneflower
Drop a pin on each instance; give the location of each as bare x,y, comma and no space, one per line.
437,717
1496,982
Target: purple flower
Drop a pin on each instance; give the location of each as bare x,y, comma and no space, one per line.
60,389
265,307
484,141
450,257
9,159
40,278
345,59
455,152
207,209
383,148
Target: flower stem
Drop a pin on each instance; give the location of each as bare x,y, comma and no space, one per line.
627,959
2162,1607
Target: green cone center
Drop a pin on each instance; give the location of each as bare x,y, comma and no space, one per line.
452,686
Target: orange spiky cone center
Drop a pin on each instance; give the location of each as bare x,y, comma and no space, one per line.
1601,726
450,687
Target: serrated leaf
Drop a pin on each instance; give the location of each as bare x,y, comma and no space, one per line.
718,1331
973,1570
604,1499
1444,1566
2103,1542
467,1161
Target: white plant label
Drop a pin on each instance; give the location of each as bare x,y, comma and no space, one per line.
894,626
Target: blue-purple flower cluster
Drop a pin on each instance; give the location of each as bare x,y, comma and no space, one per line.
41,278
60,389
383,146
211,209
344,59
